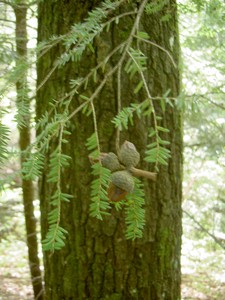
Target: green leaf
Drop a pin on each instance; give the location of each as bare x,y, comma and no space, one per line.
90,46
162,129
84,97
95,76
138,87
152,133
163,104
143,35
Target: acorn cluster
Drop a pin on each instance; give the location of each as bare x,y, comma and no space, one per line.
120,166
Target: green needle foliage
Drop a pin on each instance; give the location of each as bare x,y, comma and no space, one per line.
99,198
23,107
136,64
82,35
32,167
158,153
53,124
4,138
125,117
56,234
135,213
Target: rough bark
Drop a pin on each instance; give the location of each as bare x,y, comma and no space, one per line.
97,262
24,142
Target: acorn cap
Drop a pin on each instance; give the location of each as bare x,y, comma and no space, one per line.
123,180
128,155
110,161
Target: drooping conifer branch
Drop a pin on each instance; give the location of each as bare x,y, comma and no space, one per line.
133,61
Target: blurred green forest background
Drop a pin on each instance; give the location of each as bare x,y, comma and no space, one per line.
202,35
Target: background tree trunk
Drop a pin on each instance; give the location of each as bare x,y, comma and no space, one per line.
20,10
98,262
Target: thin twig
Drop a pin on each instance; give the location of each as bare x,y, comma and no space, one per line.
118,107
95,126
217,240
94,95
109,74
161,48
90,74
119,64
67,34
47,77
129,41
152,107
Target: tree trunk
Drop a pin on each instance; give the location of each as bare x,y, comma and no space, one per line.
97,261
20,10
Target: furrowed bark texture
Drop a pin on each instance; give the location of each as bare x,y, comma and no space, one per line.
20,10
98,262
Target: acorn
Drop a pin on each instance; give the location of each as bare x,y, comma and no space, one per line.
110,161
116,194
123,180
128,155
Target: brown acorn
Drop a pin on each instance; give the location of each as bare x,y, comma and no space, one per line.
115,193
128,155
123,180
110,161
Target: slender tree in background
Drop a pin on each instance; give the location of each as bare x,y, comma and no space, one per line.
120,43
23,105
